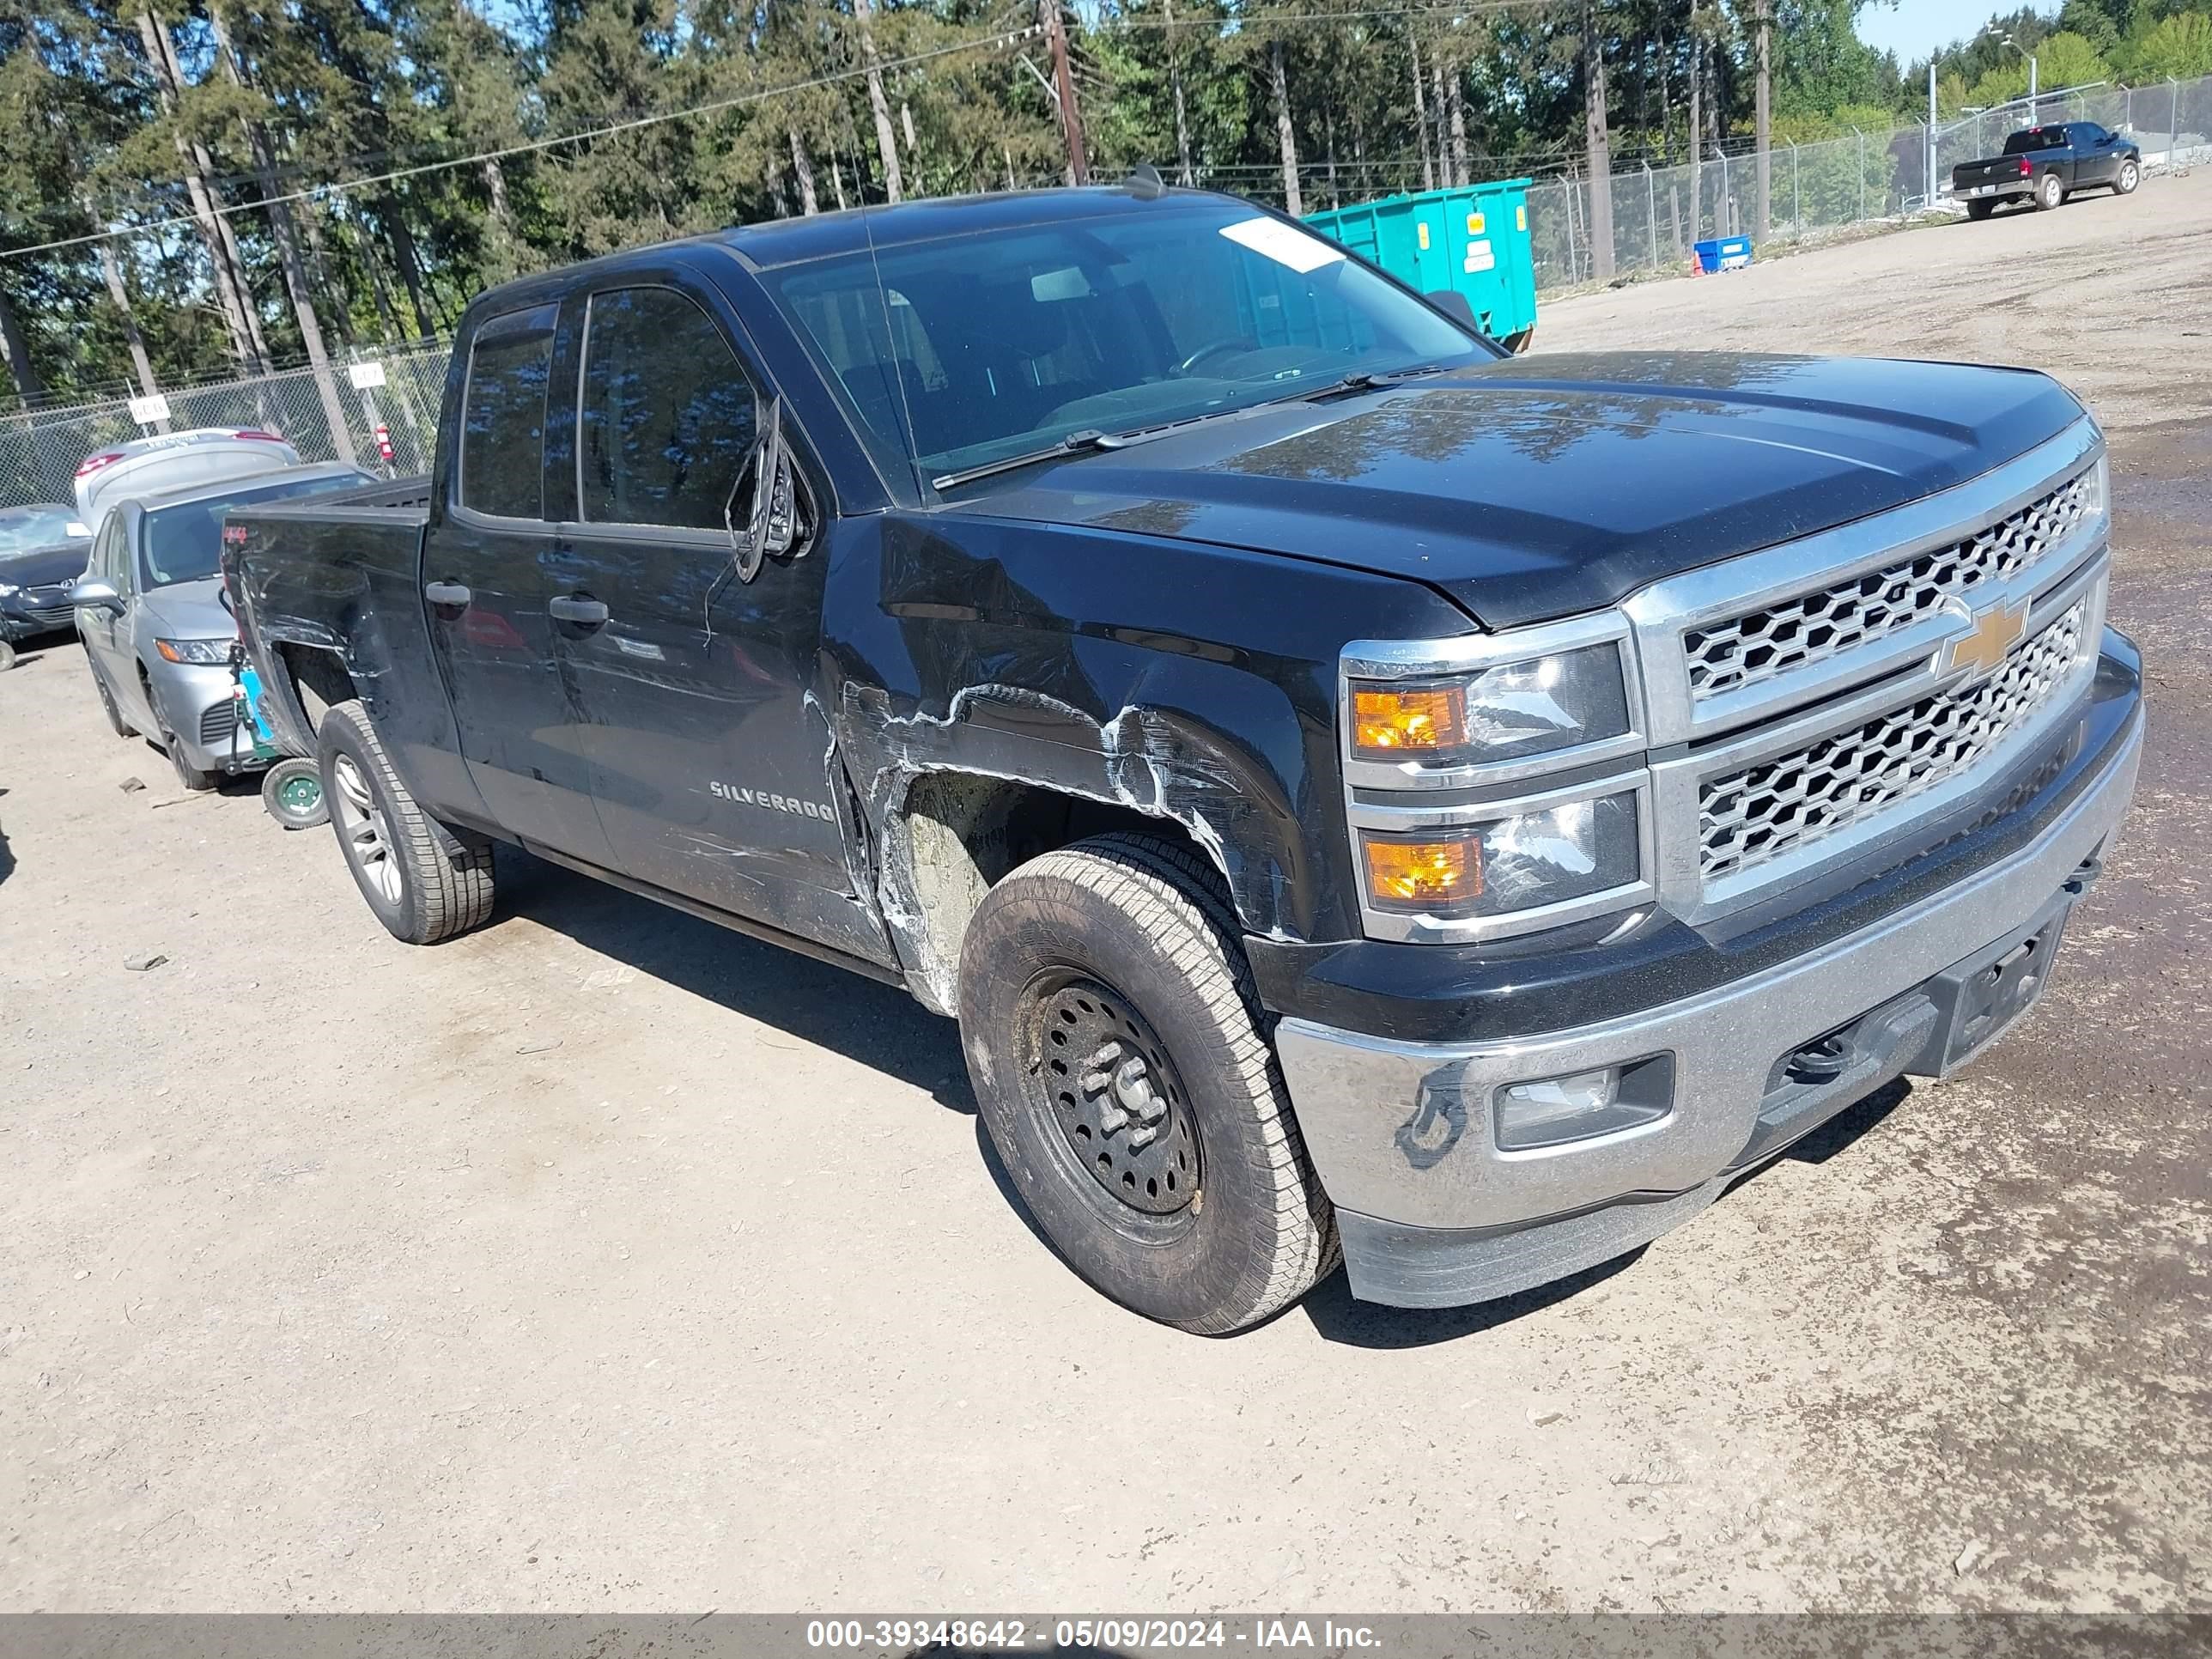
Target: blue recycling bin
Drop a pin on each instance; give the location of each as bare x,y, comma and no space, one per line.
1718,253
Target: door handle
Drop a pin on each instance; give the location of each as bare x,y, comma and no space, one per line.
588,613
453,593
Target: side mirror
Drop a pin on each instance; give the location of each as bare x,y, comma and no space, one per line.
91,593
776,518
1454,305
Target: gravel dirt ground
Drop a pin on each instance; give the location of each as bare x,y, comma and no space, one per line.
604,1260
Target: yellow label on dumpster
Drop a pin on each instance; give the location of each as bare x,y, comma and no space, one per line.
1474,224
1521,218
1422,229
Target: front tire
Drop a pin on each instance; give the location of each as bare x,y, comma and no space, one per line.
190,778
2049,192
115,720
1115,1038
2130,175
425,880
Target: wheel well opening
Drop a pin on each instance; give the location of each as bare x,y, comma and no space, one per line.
967,833
320,679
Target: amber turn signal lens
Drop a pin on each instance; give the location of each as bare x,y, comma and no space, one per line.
1425,874
1416,722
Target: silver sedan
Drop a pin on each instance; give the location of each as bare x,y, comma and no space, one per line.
149,609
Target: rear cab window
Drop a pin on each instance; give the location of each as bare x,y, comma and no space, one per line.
501,461
2036,138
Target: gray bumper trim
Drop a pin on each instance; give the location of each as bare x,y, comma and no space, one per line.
1381,1152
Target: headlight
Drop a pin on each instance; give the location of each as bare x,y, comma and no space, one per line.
1506,712
214,654
1548,856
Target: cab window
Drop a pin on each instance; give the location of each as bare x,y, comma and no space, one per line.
502,450
665,418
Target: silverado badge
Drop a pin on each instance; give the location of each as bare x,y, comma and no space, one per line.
1983,646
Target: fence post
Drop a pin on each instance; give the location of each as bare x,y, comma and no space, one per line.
1859,218
1574,259
1651,211
2172,120
1727,225
1797,192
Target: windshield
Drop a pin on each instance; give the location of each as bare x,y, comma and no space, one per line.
970,352
184,544
27,529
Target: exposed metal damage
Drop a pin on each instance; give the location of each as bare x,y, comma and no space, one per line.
928,784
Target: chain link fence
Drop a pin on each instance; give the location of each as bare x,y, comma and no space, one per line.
40,451
1818,189
1815,190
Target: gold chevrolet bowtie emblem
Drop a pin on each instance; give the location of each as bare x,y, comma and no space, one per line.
1994,634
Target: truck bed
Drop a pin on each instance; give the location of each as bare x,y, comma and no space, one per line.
391,501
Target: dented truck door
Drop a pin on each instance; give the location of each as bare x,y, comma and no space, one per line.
710,757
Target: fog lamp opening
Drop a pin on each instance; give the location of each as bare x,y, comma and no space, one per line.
1554,1111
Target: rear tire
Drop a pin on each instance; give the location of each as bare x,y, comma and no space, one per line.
1979,210
2129,175
292,790
1104,994
426,881
2049,192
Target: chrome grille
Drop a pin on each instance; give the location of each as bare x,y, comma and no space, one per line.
1744,651
1748,817
218,721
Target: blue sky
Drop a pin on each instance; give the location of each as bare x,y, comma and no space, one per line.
1914,28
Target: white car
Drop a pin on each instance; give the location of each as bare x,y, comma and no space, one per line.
147,466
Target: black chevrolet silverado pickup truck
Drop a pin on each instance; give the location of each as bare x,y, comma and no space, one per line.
2046,164
1358,793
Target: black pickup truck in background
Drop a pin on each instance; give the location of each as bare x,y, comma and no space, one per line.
1358,793
2046,164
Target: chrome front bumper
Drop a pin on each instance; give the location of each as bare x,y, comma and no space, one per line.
1402,1136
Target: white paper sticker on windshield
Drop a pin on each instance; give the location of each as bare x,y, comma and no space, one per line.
1284,244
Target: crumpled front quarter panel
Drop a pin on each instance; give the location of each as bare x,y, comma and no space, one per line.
1192,683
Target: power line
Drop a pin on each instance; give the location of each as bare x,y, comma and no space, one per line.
1003,37
738,100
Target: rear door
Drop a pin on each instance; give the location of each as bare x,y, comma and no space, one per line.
711,762
484,589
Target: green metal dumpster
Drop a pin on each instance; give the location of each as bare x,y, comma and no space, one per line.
1472,239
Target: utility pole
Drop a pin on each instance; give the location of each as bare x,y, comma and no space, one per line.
1597,141
1763,115
1929,200
1071,117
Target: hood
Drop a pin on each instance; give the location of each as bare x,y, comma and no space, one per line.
62,562
189,610
1541,487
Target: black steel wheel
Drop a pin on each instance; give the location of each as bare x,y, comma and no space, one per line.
1096,1069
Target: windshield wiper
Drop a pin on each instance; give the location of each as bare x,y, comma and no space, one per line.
1360,380
1075,443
